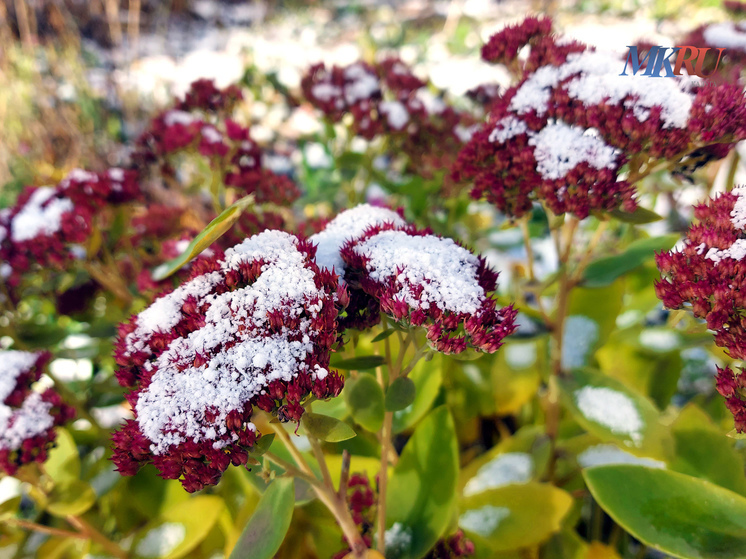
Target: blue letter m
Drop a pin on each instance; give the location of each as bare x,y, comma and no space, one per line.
636,62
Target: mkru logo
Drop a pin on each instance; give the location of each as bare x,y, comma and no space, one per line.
659,59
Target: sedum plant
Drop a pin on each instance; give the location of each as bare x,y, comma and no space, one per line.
319,360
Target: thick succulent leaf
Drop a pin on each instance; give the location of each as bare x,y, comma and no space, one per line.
677,514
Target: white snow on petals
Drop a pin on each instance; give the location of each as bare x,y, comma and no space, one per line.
33,417
595,79
559,148
172,408
737,251
346,226
41,215
362,84
14,364
612,409
507,128
178,117
396,114
726,34
446,272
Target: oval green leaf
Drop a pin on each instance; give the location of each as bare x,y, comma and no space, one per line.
677,514
422,489
639,217
266,529
71,498
608,268
514,516
214,230
326,428
63,464
364,397
427,377
400,394
262,445
360,363
180,529
635,421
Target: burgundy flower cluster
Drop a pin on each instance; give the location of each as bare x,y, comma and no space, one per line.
735,7
48,224
563,133
388,99
703,277
726,66
198,122
425,280
27,417
503,47
254,327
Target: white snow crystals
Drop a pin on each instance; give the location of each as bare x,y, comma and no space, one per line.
396,114
726,34
162,540
346,226
596,79
172,408
612,409
446,272
736,251
483,521
602,454
504,469
41,215
33,417
559,148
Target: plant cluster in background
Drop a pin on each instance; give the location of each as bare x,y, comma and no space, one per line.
438,327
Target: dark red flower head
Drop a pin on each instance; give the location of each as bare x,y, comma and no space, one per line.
27,417
254,328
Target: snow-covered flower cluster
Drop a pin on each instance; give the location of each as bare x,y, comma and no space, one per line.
48,224
565,131
252,328
704,277
388,99
415,277
27,417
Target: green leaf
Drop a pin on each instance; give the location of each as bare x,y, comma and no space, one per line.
214,230
266,529
677,514
360,363
400,394
635,423
427,377
514,516
702,451
326,428
63,464
383,335
605,270
71,498
422,488
179,529
262,445
640,216
364,397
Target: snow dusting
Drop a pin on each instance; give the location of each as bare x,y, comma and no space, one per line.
504,469
612,409
396,114
346,226
41,215
559,148
172,409
726,34
162,540
483,521
398,540
18,424
445,272
579,336
507,128
603,454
